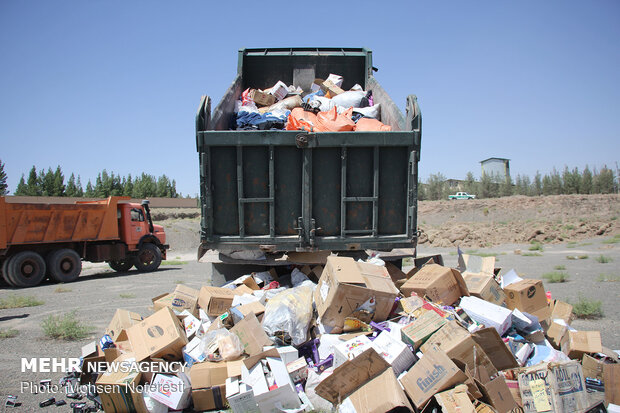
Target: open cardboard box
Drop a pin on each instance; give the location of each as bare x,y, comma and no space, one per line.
366,384
440,284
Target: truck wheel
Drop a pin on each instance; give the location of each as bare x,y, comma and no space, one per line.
122,265
148,258
26,269
64,265
5,275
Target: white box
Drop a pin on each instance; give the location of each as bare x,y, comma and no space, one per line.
192,353
279,90
277,400
172,391
487,313
192,324
298,370
240,397
288,354
396,353
350,349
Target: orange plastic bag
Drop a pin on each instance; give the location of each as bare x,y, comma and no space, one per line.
331,121
367,124
299,119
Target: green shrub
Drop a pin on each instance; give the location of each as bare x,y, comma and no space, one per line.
586,308
536,246
555,277
8,333
559,267
531,254
19,301
65,327
603,259
127,295
607,278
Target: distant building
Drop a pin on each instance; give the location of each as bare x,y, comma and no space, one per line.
497,168
455,185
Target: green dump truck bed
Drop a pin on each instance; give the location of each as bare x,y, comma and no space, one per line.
281,190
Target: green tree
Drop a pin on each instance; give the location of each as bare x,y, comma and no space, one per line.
526,185
90,190
144,186
556,183
47,182
21,189
3,184
470,185
546,185
80,191
436,186
59,182
71,189
586,181
537,185
421,192
572,180
128,186
604,181
505,188
33,184
487,189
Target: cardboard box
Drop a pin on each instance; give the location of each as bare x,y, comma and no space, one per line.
576,343
350,349
556,332
279,90
495,348
313,273
365,384
182,298
431,374
460,345
240,397
121,320
191,324
487,313
593,367
485,287
497,394
558,387
331,89
455,400
440,284
563,311
214,300
116,390
251,335
351,289
419,330
262,98
611,378
173,391
529,296
209,383
298,370
241,311
159,335
395,352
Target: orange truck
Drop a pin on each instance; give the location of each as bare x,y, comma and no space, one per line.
39,240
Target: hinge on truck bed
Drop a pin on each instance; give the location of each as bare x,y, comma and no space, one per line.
300,229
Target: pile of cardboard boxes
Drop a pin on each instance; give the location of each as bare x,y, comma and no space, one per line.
434,339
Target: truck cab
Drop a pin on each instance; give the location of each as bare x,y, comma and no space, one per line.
135,224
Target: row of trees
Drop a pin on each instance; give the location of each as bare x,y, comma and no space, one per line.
569,181
52,183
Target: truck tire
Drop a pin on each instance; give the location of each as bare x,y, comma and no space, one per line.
26,269
5,275
64,265
148,258
122,265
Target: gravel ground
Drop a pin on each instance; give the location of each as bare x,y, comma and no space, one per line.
100,291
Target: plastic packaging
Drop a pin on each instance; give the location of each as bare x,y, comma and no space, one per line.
221,344
352,98
288,314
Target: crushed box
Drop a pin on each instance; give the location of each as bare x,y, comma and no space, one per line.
365,384
558,387
121,320
416,332
576,343
209,383
352,289
182,298
485,287
440,284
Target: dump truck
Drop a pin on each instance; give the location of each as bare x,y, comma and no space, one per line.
39,240
279,190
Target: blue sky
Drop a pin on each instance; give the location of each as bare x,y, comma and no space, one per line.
89,85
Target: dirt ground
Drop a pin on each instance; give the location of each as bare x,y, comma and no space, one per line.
568,226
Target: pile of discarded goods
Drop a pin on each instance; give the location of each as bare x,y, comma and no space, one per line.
354,336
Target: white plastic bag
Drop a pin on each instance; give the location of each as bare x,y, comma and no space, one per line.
352,98
298,277
289,313
221,344
373,112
